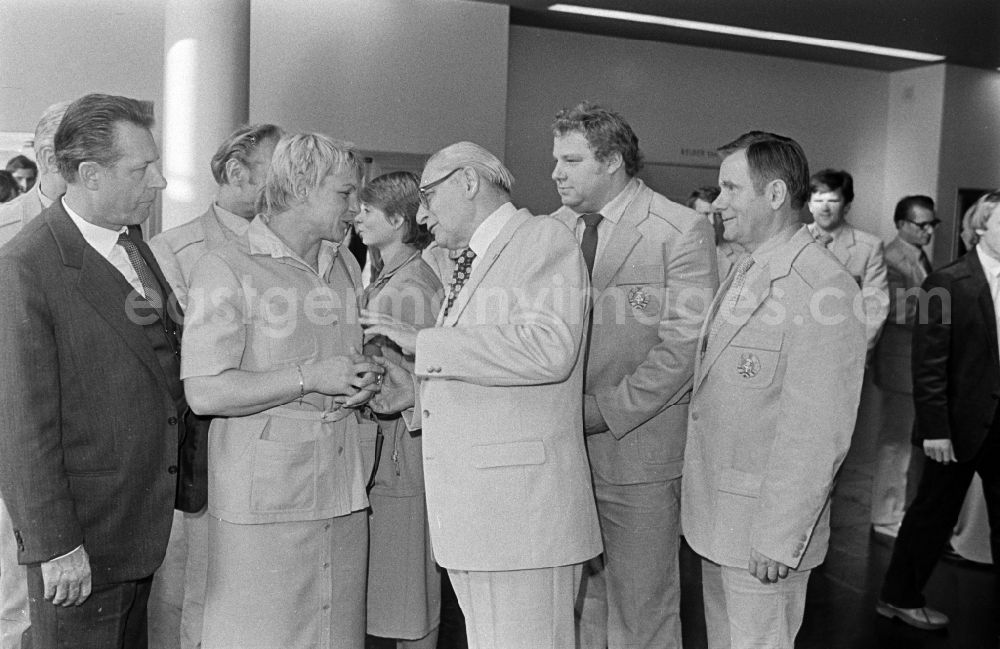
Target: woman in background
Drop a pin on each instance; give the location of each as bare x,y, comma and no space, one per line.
404,584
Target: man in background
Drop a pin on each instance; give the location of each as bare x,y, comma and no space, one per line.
50,186
908,266
14,215
653,272
239,167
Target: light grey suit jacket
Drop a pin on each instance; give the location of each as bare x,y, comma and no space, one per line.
892,354
178,249
501,380
775,397
15,214
652,283
863,257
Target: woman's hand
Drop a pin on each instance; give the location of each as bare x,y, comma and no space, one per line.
342,375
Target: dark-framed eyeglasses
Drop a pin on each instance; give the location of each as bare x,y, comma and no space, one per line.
923,225
425,190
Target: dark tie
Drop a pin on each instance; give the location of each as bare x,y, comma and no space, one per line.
459,277
925,263
149,283
588,244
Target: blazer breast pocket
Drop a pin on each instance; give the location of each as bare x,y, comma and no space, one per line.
639,291
487,456
752,358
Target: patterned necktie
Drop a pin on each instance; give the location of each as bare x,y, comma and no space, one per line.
459,277
149,283
588,244
732,296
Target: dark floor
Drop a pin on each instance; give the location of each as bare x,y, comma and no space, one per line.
840,609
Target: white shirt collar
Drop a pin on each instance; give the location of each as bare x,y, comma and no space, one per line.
990,264
488,230
100,239
615,208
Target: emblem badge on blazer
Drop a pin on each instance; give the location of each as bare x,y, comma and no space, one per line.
638,298
749,365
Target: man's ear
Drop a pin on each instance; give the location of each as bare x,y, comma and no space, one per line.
236,172
777,193
472,181
614,162
47,160
90,174
847,208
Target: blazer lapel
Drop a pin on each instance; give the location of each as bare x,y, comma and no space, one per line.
483,267
756,289
623,238
102,286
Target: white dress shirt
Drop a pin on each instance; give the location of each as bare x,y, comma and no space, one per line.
105,242
612,213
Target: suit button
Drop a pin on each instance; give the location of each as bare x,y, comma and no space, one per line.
426,414
172,470
694,416
172,421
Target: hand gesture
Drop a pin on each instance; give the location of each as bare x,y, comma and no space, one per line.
404,335
67,579
341,375
396,394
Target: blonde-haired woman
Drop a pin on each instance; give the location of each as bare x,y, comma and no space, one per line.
271,349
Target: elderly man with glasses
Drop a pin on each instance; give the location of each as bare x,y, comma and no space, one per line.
499,395
907,266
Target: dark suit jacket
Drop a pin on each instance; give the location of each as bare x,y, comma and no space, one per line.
88,436
956,372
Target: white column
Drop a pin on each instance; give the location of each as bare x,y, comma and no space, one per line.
206,89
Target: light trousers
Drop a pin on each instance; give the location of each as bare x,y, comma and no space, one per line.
743,613
518,609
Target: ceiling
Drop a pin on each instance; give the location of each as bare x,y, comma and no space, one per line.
966,32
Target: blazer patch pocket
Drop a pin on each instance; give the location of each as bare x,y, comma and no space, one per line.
740,483
486,456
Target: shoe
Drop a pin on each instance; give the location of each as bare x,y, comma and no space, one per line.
891,530
922,618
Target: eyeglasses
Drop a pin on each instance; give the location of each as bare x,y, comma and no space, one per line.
425,193
923,225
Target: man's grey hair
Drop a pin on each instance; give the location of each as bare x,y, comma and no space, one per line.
470,154
45,132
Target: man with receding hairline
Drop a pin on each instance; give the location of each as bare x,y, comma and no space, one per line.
776,387
90,390
511,512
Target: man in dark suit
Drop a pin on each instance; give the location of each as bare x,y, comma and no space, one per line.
90,390
956,387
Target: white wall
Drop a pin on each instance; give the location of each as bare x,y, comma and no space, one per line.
916,99
970,145
51,50
683,101
391,75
